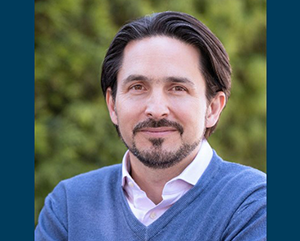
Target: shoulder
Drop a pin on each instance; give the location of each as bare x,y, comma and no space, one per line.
103,177
244,190
240,191
104,174
237,184
241,174
78,195
88,184
86,188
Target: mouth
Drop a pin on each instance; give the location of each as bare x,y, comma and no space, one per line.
157,132
158,129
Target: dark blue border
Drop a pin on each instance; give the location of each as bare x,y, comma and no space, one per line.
17,119
283,65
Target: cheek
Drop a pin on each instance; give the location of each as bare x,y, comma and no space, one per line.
128,113
192,117
191,111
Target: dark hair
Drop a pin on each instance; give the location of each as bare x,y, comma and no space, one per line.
214,61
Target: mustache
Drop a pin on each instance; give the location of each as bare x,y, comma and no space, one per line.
160,123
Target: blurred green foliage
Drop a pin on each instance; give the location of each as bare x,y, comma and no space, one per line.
73,132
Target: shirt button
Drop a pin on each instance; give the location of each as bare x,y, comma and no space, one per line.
153,215
130,184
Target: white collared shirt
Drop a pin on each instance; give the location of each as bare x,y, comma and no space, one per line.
142,207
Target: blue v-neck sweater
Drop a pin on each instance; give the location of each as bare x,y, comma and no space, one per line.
227,203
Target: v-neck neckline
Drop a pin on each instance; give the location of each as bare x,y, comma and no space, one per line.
147,232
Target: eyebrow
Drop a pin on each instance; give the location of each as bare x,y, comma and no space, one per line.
133,77
171,79
175,79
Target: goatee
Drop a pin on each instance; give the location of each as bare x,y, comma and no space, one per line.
156,157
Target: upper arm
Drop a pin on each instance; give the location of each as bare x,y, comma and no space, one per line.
248,223
52,223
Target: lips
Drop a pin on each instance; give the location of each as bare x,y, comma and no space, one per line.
158,132
158,129
161,127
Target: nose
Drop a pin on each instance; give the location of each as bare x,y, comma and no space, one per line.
157,106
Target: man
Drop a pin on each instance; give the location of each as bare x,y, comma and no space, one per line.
166,79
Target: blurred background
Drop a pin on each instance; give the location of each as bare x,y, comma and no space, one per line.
73,132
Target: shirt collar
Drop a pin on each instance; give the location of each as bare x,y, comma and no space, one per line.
191,174
125,168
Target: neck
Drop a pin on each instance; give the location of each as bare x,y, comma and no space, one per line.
152,181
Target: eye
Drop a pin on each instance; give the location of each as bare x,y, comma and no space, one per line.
178,88
137,87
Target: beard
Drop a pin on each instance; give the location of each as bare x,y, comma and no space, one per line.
156,157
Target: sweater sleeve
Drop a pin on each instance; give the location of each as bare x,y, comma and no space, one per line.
249,222
52,225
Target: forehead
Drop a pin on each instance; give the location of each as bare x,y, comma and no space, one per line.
160,57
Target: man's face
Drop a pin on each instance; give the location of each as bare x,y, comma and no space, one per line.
160,107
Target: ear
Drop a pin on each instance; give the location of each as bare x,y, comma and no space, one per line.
111,106
215,108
